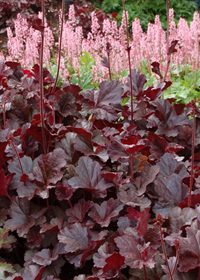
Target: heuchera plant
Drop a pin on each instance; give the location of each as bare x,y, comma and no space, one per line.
91,189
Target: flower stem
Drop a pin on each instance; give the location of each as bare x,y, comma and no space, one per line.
165,254
168,54
60,44
192,159
129,60
42,112
145,273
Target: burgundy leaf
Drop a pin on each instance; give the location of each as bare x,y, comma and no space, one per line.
172,47
102,104
89,178
39,276
66,104
169,165
55,225
5,181
189,249
169,120
181,217
195,198
43,257
20,109
143,222
148,175
49,167
171,188
83,144
15,167
94,244
128,194
156,68
67,144
64,192
77,214
136,255
142,218
133,214
24,215
114,262
74,238
116,150
138,81
102,214
38,25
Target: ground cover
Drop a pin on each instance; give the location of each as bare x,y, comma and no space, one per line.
99,180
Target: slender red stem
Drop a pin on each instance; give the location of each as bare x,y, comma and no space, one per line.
17,154
131,83
176,262
4,113
60,44
71,206
129,60
145,273
42,112
199,274
109,67
192,159
168,54
120,275
165,253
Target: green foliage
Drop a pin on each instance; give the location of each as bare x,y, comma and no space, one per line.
146,10
185,84
4,269
84,80
54,69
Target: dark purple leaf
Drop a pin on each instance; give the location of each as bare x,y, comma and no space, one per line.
172,47
102,214
169,165
55,225
169,120
67,144
64,192
156,69
66,104
171,188
181,217
48,171
44,257
74,238
138,81
89,178
136,255
94,244
189,249
102,104
20,110
117,150
24,215
77,214
5,181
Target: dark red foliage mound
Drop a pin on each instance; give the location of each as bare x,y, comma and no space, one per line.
78,211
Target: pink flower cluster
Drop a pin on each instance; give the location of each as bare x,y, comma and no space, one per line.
23,47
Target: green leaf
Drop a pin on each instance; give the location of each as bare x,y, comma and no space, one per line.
86,60
5,267
3,233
